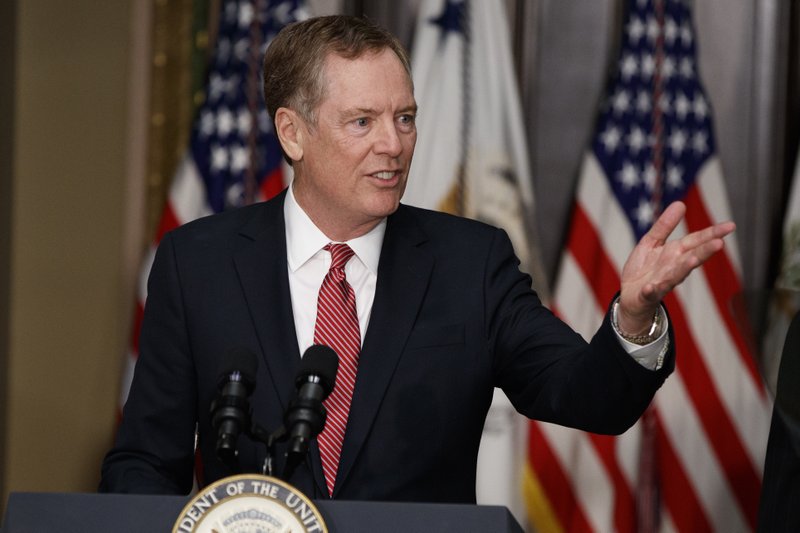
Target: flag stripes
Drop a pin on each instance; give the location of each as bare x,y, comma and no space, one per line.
624,504
562,503
735,460
724,283
677,489
654,141
713,415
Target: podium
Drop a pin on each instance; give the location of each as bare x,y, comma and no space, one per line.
123,513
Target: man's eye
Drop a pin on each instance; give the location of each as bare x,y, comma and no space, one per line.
361,122
407,119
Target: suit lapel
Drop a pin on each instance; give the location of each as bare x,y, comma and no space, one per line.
403,274
261,263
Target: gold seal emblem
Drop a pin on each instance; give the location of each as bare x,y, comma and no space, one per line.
250,503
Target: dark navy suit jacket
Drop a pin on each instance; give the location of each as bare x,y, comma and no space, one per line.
780,493
453,318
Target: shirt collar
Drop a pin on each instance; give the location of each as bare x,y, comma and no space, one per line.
304,239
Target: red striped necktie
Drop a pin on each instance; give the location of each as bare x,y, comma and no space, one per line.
337,327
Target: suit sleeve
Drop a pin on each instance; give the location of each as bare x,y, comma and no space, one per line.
547,370
154,450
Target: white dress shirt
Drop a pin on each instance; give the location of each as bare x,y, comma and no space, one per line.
308,264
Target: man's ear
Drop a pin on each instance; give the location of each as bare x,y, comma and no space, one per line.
291,132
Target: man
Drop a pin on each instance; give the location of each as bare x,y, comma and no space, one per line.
442,313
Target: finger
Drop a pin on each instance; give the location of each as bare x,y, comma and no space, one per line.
704,251
666,223
701,237
680,267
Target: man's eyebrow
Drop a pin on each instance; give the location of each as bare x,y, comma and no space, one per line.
357,112
369,111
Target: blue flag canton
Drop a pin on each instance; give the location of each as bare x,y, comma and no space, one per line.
629,138
233,140
452,18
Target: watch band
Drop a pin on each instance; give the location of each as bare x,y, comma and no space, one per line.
646,338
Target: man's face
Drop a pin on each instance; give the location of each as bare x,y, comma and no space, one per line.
355,161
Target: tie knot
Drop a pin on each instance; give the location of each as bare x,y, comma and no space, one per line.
340,255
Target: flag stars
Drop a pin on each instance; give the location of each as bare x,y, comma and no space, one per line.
628,67
240,159
244,121
637,140
246,14
671,31
241,49
686,68
686,34
674,177
208,123
283,13
635,29
621,102
219,158
677,141
652,137
668,68
700,142
451,17
628,176
225,122
682,106
233,137
610,138
700,106
648,65
644,214
234,195
217,87
653,30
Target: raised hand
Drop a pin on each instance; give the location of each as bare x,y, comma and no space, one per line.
656,266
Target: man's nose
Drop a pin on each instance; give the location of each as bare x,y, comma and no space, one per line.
388,139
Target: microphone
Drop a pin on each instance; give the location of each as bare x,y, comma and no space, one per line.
305,416
230,411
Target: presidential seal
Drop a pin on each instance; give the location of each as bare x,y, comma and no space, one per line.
250,503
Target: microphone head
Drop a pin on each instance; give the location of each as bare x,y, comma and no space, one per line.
321,361
239,360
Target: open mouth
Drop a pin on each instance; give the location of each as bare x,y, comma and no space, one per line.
385,175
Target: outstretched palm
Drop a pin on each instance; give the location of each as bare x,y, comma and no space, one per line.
656,265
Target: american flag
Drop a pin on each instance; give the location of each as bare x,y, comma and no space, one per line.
234,157
694,462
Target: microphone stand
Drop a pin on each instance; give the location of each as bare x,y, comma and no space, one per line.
294,455
269,440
